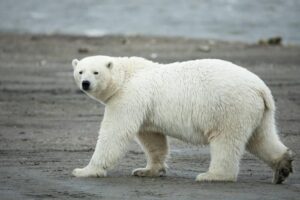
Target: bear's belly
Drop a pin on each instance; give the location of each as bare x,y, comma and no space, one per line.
185,132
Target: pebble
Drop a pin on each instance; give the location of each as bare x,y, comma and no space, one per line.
153,55
83,50
203,48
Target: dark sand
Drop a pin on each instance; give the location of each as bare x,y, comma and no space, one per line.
48,127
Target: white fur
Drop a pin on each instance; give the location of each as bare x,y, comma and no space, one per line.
205,101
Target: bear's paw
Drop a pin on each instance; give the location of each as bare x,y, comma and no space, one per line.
88,172
145,172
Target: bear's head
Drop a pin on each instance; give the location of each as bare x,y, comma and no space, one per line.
99,77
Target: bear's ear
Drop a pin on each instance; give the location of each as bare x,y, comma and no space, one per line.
74,63
109,65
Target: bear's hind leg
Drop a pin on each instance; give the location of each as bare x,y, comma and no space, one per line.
226,152
266,145
155,146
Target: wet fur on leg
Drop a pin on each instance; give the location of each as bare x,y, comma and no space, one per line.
283,167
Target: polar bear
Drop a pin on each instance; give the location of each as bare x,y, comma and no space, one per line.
208,102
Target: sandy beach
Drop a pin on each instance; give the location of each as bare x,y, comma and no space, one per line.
49,127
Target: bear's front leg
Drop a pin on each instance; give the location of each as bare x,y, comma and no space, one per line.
112,142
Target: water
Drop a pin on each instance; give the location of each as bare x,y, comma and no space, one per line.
239,20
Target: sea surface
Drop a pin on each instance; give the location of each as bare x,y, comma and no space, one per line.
234,20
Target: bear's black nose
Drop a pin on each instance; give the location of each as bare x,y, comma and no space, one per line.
86,85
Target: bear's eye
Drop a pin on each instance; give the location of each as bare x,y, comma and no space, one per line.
96,73
80,72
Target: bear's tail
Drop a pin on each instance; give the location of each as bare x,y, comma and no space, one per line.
268,99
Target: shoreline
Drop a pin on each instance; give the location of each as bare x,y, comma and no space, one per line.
158,37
